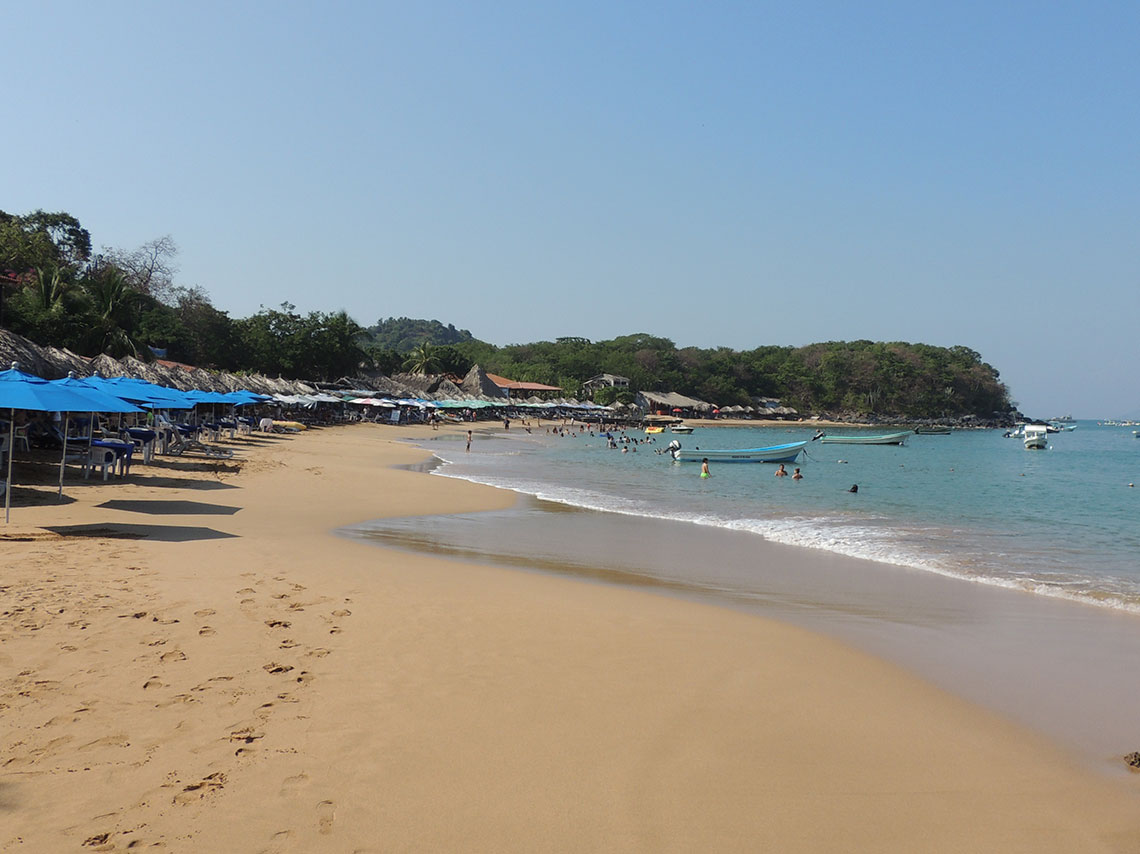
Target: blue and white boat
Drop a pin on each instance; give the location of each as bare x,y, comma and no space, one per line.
773,454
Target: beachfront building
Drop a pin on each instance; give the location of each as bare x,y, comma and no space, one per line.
604,381
521,389
671,403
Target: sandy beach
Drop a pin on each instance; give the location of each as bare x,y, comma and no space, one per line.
192,660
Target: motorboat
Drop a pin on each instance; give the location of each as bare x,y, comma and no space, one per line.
681,428
1036,437
881,439
786,453
932,431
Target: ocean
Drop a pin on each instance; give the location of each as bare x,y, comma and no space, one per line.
1062,522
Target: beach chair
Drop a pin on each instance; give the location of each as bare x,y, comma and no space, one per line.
101,458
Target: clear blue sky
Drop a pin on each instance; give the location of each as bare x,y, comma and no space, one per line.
716,173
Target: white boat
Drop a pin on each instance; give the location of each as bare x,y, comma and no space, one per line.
1036,437
881,439
772,454
681,428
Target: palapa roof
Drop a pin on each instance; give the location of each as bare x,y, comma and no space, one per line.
674,401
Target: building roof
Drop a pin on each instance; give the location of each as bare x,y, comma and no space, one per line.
503,382
672,399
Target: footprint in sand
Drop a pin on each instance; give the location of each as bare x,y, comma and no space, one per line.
206,630
280,596
176,699
247,590
278,624
326,813
108,741
292,784
342,612
274,667
173,655
205,612
153,682
319,652
195,791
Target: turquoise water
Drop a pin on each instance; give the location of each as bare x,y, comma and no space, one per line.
1060,522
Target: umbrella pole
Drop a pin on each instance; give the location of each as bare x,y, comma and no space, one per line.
63,458
11,452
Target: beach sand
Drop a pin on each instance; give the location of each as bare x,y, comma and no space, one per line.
190,660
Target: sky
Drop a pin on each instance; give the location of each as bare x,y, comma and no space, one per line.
717,173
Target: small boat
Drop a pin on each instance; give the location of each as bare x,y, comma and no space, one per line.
1036,437
932,431
681,428
883,439
772,454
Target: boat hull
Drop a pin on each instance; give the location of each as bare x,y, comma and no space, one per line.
1036,439
884,439
774,454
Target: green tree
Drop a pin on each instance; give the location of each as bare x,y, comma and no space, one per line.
422,360
115,312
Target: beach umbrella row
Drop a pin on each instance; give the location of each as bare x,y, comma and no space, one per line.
19,390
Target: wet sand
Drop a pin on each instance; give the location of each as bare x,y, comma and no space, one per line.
1059,667
192,660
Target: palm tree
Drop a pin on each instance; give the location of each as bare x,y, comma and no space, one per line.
422,360
113,304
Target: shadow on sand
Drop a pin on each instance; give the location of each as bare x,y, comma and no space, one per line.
170,508
160,533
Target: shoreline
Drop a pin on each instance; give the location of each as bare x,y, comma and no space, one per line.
240,678
1057,673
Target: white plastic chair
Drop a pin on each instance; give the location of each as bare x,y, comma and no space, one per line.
103,458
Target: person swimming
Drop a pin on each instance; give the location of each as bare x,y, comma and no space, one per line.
854,488
781,471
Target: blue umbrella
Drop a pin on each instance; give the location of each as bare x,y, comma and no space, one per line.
19,390
106,403
148,394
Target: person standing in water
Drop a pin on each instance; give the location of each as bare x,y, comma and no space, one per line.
782,472
469,441
705,468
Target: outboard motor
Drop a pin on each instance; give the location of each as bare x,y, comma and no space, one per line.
673,447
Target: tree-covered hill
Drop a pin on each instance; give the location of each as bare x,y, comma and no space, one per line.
55,290
403,334
853,377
